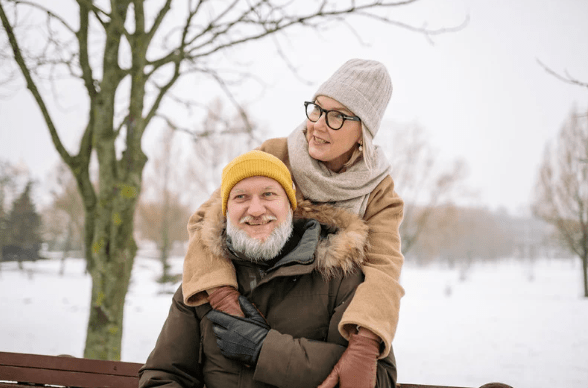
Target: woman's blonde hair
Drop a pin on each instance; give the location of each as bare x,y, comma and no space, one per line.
367,151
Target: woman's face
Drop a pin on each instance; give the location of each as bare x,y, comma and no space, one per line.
333,148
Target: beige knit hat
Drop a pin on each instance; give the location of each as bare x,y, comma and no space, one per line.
364,87
256,163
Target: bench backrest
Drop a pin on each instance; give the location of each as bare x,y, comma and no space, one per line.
66,371
23,370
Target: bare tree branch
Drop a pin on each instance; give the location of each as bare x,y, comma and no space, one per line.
289,63
157,22
162,92
206,133
82,36
45,10
278,24
242,112
98,12
33,87
567,79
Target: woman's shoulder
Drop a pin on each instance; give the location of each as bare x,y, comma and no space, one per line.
276,143
276,146
385,187
384,196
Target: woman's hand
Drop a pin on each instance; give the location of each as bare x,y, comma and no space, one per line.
357,366
226,299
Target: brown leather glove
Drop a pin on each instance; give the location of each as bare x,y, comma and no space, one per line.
357,366
226,299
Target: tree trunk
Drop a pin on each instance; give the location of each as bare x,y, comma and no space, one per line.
110,282
113,253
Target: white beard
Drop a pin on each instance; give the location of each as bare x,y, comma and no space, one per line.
256,250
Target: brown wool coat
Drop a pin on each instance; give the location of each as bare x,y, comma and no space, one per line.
303,298
376,303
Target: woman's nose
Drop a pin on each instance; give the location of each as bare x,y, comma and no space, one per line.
321,123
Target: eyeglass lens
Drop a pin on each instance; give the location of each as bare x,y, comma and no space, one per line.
334,119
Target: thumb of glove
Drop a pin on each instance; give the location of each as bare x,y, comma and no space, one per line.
251,312
357,367
332,379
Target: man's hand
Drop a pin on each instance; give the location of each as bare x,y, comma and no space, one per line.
357,366
239,338
226,299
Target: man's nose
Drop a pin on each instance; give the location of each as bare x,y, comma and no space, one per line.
256,207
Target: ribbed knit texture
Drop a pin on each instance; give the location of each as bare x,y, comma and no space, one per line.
364,87
256,163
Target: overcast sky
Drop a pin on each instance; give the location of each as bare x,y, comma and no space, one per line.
479,93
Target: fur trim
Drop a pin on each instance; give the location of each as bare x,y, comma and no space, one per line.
342,252
213,226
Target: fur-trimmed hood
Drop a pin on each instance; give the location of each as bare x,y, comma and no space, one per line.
341,252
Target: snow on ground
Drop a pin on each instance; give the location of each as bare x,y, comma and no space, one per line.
496,325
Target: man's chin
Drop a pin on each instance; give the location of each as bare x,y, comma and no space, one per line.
260,238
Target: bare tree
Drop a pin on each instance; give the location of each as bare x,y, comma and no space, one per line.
562,188
127,57
63,219
162,216
211,153
163,221
425,185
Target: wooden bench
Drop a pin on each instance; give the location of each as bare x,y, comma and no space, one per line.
26,370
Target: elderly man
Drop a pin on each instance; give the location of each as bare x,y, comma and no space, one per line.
297,269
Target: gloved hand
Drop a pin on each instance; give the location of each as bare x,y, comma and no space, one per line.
240,339
357,366
226,299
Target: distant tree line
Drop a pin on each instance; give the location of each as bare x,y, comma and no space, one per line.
460,236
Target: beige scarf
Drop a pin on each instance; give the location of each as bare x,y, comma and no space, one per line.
350,189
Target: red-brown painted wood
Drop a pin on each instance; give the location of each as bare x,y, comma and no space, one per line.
68,371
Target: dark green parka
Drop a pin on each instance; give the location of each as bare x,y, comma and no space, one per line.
302,296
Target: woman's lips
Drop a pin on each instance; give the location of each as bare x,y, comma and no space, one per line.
319,141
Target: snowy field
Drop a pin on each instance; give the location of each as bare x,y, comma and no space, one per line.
496,325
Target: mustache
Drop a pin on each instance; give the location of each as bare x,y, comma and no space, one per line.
261,219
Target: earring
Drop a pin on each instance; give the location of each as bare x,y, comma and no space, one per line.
360,147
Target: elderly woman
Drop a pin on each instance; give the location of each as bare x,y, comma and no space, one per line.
333,160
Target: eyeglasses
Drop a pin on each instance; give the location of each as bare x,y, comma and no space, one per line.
334,119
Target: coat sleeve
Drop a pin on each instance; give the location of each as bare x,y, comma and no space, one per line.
205,269
173,363
288,362
376,303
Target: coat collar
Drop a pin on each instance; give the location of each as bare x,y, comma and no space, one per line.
340,251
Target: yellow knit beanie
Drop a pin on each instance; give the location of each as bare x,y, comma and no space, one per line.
256,163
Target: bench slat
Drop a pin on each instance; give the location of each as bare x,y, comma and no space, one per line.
67,371
69,363
67,378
